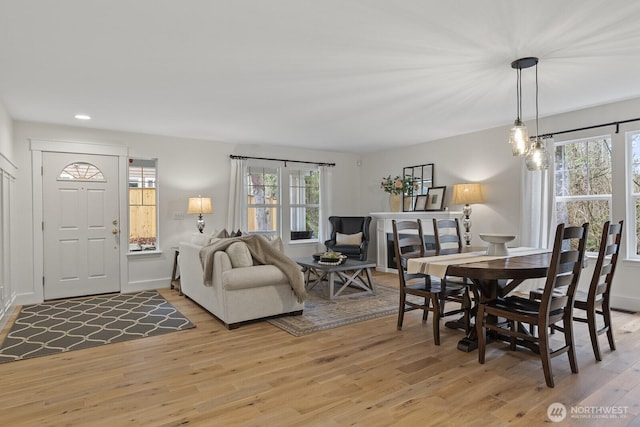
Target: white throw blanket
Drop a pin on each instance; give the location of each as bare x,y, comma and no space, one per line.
262,252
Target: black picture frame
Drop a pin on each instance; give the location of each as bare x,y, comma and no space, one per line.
435,199
421,203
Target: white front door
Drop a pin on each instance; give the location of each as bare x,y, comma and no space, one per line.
81,224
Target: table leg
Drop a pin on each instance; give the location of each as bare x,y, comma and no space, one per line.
331,284
353,278
483,291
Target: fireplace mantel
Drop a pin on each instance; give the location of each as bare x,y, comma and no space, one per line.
384,231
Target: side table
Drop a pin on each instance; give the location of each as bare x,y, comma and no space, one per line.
175,278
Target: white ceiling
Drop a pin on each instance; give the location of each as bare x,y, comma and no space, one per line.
343,75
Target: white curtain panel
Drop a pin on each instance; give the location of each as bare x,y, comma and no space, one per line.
236,191
326,205
538,219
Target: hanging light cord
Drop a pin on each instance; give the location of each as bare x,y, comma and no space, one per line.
537,130
519,92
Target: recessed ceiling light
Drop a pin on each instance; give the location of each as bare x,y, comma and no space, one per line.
82,117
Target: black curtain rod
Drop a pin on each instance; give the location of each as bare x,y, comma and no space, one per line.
281,160
616,124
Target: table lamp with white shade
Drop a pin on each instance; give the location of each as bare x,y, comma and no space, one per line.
467,194
199,205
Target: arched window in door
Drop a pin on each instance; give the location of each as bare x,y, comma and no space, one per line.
81,171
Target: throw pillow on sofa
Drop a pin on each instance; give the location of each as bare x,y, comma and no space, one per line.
349,239
239,255
199,239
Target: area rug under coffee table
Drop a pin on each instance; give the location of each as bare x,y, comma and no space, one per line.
71,324
321,313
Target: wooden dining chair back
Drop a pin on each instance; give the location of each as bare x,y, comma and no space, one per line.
446,233
408,242
448,240
555,305
595,302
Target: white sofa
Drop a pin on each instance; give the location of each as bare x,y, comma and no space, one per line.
236,295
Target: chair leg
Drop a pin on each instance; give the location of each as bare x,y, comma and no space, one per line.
480,333
436,319
567,325
403,297
543,338
425,312
443,300
513,325
606,315
593,333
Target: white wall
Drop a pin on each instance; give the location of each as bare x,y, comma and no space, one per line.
485,157
186,168
8,171
189,167
6,140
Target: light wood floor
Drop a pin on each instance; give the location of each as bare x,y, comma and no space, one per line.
368,374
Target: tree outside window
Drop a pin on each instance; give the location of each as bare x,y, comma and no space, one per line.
263,200
634,188
583,184
283,197
304,202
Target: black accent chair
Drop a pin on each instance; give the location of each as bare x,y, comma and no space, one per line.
349,225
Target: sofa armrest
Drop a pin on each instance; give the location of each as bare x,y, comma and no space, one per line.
221,263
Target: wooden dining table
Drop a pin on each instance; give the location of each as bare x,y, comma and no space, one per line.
491,276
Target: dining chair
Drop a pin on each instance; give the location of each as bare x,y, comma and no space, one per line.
448,240
408,242
555,305
596,300
446,233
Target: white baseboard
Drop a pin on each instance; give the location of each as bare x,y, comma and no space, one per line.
145,285
142,285
625,302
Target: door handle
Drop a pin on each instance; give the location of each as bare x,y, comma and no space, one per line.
115,231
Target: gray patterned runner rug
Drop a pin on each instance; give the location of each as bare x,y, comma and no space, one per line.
321,313
71,324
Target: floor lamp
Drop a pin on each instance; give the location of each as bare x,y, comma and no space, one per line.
467,194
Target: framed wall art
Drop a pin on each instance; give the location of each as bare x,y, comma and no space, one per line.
435,199
421,203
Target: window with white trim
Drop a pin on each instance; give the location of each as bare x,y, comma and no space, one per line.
633,221
283,200
263,200
583,184
304,204
143,202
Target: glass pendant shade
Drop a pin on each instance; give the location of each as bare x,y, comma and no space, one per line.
519,138
535,151
538,157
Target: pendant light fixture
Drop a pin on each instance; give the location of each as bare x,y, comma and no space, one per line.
535,152
537,157
519,137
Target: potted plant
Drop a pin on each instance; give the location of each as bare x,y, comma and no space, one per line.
397,187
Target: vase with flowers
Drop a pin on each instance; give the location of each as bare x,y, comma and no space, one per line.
398,187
